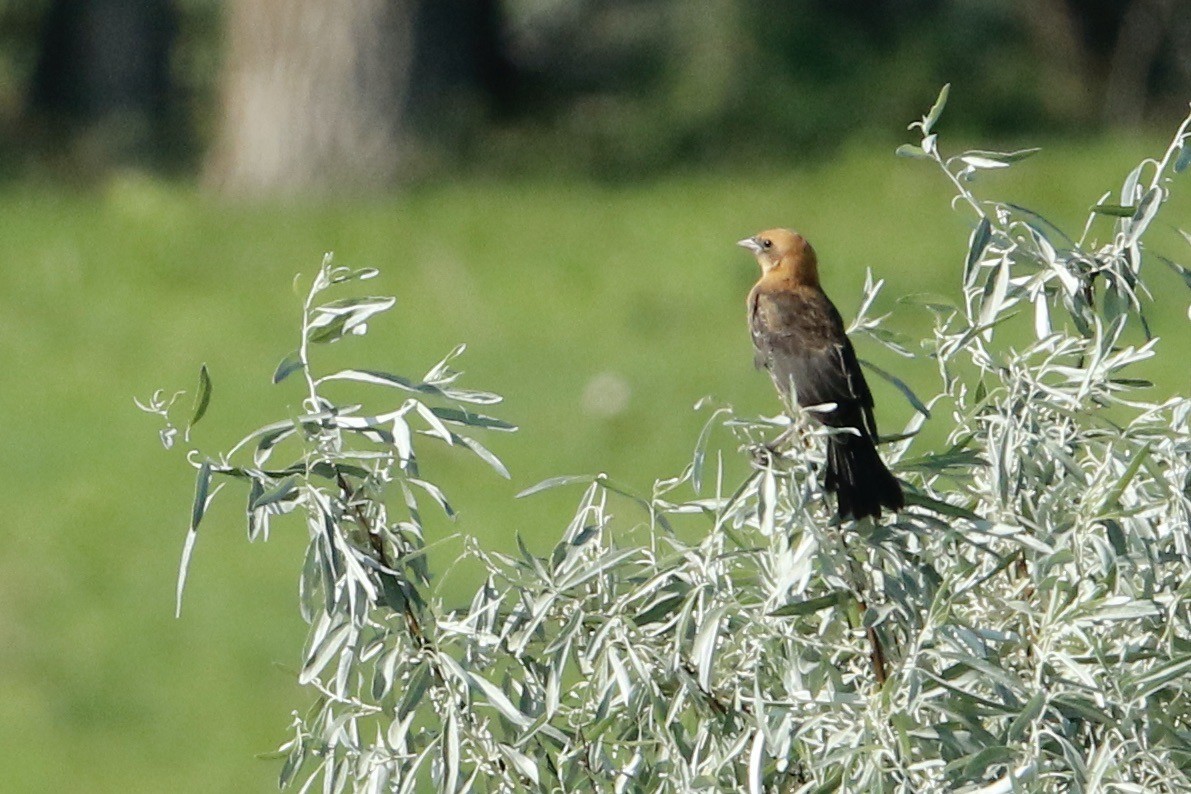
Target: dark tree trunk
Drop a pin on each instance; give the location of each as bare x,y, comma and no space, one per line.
1140,40
103,65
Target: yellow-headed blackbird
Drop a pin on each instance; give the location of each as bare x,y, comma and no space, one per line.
800,339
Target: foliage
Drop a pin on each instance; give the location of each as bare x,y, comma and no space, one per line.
1022,625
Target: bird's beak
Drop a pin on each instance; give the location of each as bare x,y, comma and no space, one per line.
751,243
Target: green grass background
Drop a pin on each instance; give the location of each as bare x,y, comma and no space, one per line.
113,292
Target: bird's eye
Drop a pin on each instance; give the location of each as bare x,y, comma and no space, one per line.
767,243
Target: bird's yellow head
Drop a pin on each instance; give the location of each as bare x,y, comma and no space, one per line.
786,252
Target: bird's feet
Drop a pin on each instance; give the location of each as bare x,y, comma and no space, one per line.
763,455
767,453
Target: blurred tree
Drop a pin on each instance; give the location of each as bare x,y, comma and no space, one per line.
1144,32
319,95
324,95
91,85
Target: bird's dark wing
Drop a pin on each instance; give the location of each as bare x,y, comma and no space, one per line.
800,339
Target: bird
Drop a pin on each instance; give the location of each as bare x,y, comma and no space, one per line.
800,339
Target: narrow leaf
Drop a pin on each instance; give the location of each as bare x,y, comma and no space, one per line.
462,417
911,151
979,161
1184,158
202,398
1004,158
435,493
703,649
810,605
501,701
995,291
936,109
484,454
1147,210
901,386
1113,498
981,236
1115,210
289,365
202,487
555,482
278,493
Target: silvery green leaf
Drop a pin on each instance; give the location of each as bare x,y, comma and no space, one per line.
703,648
1039,223
489,691
983,161
701,449
202,398
1001,158
286,489
621,675
937,505
1027,716
555,482
757,763
325,648
450,753
402,439
974,766
288,365
1147,209
522,763
767,502
1129,191
414,691
911,151
484,454
441,373
1183,272
461,417
936,110
332,321
357,309
331,331
1042,327
1157,677
270,439
378,378
1184,158
994,296
1115,210
808,606
202,486
342,274
202,498
900,385
437,428
1123,609
891,340
607,561
616,487
981,236
435,493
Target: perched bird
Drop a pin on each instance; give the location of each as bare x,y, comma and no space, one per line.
800,339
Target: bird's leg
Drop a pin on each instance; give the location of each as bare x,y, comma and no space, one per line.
765,453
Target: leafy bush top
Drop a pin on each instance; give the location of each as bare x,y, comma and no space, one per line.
1023,625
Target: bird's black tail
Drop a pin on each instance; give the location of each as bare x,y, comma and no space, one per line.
859,478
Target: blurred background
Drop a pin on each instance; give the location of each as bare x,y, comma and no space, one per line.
260,96
557,183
